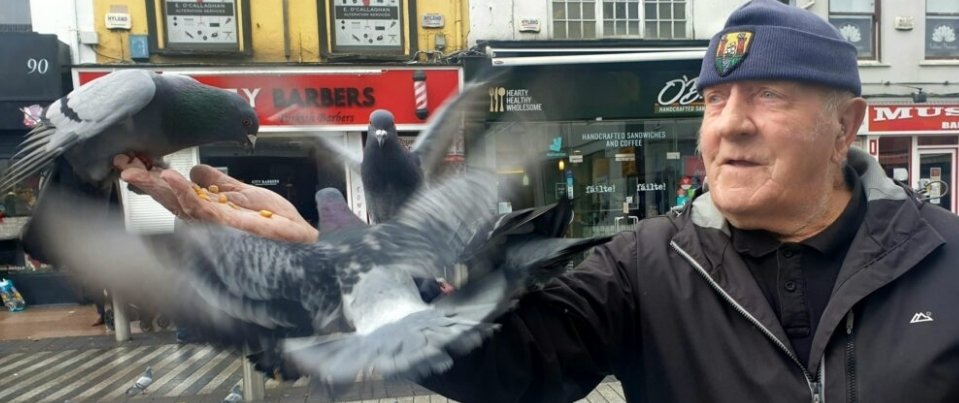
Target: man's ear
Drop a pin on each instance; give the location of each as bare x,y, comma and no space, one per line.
851,114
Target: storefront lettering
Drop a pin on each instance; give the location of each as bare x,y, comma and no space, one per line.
679,95
950,125
513,100
600,189
623,139
884,113
249,93
324,97
314,118
643,187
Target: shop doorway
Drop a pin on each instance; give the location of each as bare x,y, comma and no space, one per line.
937,176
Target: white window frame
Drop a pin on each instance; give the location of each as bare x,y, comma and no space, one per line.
599,22
951,15
876,18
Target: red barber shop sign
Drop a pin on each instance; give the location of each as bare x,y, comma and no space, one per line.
331,97
913,118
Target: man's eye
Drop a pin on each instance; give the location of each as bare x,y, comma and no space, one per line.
769,94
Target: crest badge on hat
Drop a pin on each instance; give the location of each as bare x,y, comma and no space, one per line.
732,50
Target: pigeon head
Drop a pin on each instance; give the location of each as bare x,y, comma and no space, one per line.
208,114
382,125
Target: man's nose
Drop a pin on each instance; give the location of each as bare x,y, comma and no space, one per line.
736,118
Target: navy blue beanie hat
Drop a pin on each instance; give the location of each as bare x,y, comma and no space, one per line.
768,40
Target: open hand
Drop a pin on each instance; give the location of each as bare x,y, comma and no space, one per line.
216,197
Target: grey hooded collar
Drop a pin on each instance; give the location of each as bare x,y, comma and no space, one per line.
875,183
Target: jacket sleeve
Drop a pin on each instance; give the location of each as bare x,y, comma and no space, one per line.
559,342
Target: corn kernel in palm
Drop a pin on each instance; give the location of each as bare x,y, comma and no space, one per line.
229,203
222,199
266,213
203,196
214,189
196,188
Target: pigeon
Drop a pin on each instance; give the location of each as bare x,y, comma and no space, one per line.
142,383
236,395
345,307
135,112
334,214
390,172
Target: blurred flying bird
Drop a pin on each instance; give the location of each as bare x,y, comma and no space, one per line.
346,306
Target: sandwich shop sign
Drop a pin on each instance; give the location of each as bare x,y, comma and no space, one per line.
933,118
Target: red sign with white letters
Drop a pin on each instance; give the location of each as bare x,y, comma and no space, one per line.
340,98
913,118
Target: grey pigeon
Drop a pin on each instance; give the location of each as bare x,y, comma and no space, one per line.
142,383
391,173
344,307
335,215
135,112
236,395
333,212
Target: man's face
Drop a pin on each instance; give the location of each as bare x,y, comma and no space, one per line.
769,149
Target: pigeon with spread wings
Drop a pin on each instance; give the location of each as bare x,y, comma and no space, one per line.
136,112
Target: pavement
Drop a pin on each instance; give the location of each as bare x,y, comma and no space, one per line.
99,369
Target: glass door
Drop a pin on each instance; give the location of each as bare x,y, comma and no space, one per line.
937,176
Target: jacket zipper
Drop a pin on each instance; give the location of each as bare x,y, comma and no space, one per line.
851,393
816,385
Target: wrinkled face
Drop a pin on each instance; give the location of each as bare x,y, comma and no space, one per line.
770,149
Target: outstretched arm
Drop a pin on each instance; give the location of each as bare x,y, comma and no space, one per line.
235,204
561,341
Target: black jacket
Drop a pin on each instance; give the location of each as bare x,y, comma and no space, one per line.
672,311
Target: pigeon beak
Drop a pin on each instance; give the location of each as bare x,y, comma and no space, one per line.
252,143
380,136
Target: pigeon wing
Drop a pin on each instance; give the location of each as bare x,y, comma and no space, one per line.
229,285
78,116
433,143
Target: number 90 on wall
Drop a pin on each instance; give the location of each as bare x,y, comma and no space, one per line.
37,66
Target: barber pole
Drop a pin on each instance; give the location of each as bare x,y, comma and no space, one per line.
419,89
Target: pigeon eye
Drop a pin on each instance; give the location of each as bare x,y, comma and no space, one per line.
246,122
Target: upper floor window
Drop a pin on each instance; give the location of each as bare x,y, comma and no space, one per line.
857,21
587,19
15,16
942,28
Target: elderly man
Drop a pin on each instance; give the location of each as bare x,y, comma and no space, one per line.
797,277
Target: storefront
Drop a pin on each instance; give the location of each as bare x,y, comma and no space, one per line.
296,104
618,137
35,70
918,144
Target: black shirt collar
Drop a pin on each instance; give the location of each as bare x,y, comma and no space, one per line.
758,243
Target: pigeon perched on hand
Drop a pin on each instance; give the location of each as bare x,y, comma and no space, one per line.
142,383
341,308
135,112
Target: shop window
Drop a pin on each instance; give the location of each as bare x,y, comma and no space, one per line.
938,140
942,29
895,154
190,27
586,19
615,172
858,22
